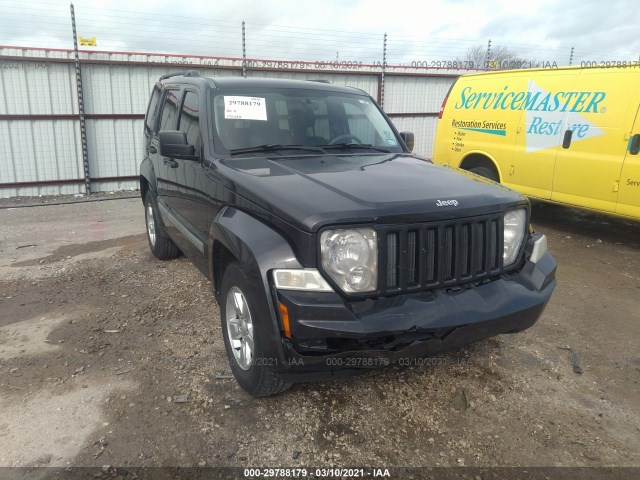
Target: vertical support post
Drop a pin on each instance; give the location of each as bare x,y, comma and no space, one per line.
571,57
486,62
384,65
83,126
244,51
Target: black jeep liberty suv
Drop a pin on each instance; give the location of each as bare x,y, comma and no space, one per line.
331,248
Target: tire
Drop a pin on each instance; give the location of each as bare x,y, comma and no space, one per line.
486,172
160,244
254,372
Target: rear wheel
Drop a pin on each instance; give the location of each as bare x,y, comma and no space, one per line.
486,172
245,329
160,244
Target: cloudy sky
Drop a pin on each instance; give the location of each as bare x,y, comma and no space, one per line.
329,29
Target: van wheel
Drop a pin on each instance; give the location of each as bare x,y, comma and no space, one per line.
245,329
486,172
160,244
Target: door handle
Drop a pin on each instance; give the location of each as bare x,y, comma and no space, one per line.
566,141
634,149
171,162
152,149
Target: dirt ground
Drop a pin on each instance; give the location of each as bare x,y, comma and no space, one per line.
110,357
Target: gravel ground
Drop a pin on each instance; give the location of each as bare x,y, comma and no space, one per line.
110,357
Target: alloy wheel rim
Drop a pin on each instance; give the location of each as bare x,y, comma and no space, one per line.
239,328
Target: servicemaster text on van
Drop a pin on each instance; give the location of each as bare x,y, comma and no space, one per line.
570,101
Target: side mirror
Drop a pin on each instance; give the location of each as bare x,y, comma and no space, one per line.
408,139
173,144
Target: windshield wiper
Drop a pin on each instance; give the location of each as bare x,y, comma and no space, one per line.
274,148
352,146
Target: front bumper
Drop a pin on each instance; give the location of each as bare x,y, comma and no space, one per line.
329,334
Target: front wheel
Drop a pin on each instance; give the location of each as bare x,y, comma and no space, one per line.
245,329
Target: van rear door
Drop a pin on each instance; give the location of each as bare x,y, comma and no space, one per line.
629,195
539,133
588,170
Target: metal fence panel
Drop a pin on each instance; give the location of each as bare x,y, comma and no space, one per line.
115,147
108,89
40,151
424,129
37,88
417,94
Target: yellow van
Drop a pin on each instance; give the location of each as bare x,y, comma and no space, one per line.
567,135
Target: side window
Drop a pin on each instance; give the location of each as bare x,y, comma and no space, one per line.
169,111
190,119
150,117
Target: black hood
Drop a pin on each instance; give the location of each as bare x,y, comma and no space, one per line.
312,191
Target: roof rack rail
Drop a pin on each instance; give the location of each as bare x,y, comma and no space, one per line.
186,73
319,80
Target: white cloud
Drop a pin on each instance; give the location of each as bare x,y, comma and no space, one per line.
304,30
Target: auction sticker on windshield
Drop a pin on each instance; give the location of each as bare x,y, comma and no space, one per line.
245,108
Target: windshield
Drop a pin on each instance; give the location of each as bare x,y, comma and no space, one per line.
310,118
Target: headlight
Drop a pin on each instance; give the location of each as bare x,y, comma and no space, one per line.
514,228
350,258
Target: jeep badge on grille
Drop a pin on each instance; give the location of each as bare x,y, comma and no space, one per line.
447,203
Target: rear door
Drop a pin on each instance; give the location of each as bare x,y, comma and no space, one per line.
629,195
588,171
539,133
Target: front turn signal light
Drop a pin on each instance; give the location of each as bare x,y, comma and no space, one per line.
284,316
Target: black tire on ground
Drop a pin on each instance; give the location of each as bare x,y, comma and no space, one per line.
160,244
486,172
259,376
